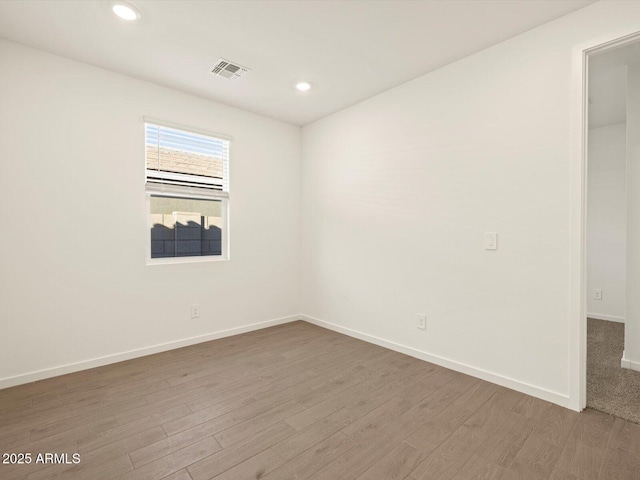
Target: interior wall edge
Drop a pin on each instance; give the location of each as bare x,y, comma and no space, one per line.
141,352
557,398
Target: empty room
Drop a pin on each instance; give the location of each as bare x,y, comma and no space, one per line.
324,240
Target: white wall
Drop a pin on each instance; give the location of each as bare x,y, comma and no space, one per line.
398,190
632,328
607,222
74,285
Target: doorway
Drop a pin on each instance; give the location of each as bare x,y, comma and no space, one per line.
611,233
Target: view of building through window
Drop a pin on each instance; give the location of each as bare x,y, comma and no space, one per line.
183,227
187,183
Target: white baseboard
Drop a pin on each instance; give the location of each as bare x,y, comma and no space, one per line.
141,352
630,364
539,392
609,318
554,397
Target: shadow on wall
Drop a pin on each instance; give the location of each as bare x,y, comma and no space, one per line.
189,239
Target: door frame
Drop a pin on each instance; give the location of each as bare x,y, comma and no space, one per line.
579,138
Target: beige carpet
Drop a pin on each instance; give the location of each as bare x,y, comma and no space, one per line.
610,389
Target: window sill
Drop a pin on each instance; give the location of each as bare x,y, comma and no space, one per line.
178,260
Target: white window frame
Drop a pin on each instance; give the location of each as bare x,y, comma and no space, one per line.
187,192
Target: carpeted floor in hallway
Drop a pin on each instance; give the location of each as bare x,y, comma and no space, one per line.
610,388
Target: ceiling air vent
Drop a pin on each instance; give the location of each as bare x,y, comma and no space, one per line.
225,68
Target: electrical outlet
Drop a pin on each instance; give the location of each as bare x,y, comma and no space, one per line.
195,310
422,321
597,294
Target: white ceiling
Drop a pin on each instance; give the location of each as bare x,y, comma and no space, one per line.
608,85
349,50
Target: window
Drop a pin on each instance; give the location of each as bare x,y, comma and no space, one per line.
187,184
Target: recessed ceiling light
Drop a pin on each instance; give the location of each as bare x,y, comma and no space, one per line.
303,86
125,11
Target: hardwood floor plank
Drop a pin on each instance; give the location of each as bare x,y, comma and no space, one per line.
110,452
179,475
217,421
371,393
174,462
584,450
562,475
90,471
256,424
492,413
554,424
504,443
229,457
164,446
97,439
378,436
374,419
622,456
256,467
479,468
306,438
396,464
449,457
625,436
242,406
13,439
536,459
462,405
620,465
310,461
320,410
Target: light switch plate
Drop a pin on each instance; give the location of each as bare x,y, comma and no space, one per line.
490,241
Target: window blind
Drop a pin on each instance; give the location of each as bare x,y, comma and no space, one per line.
179,162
